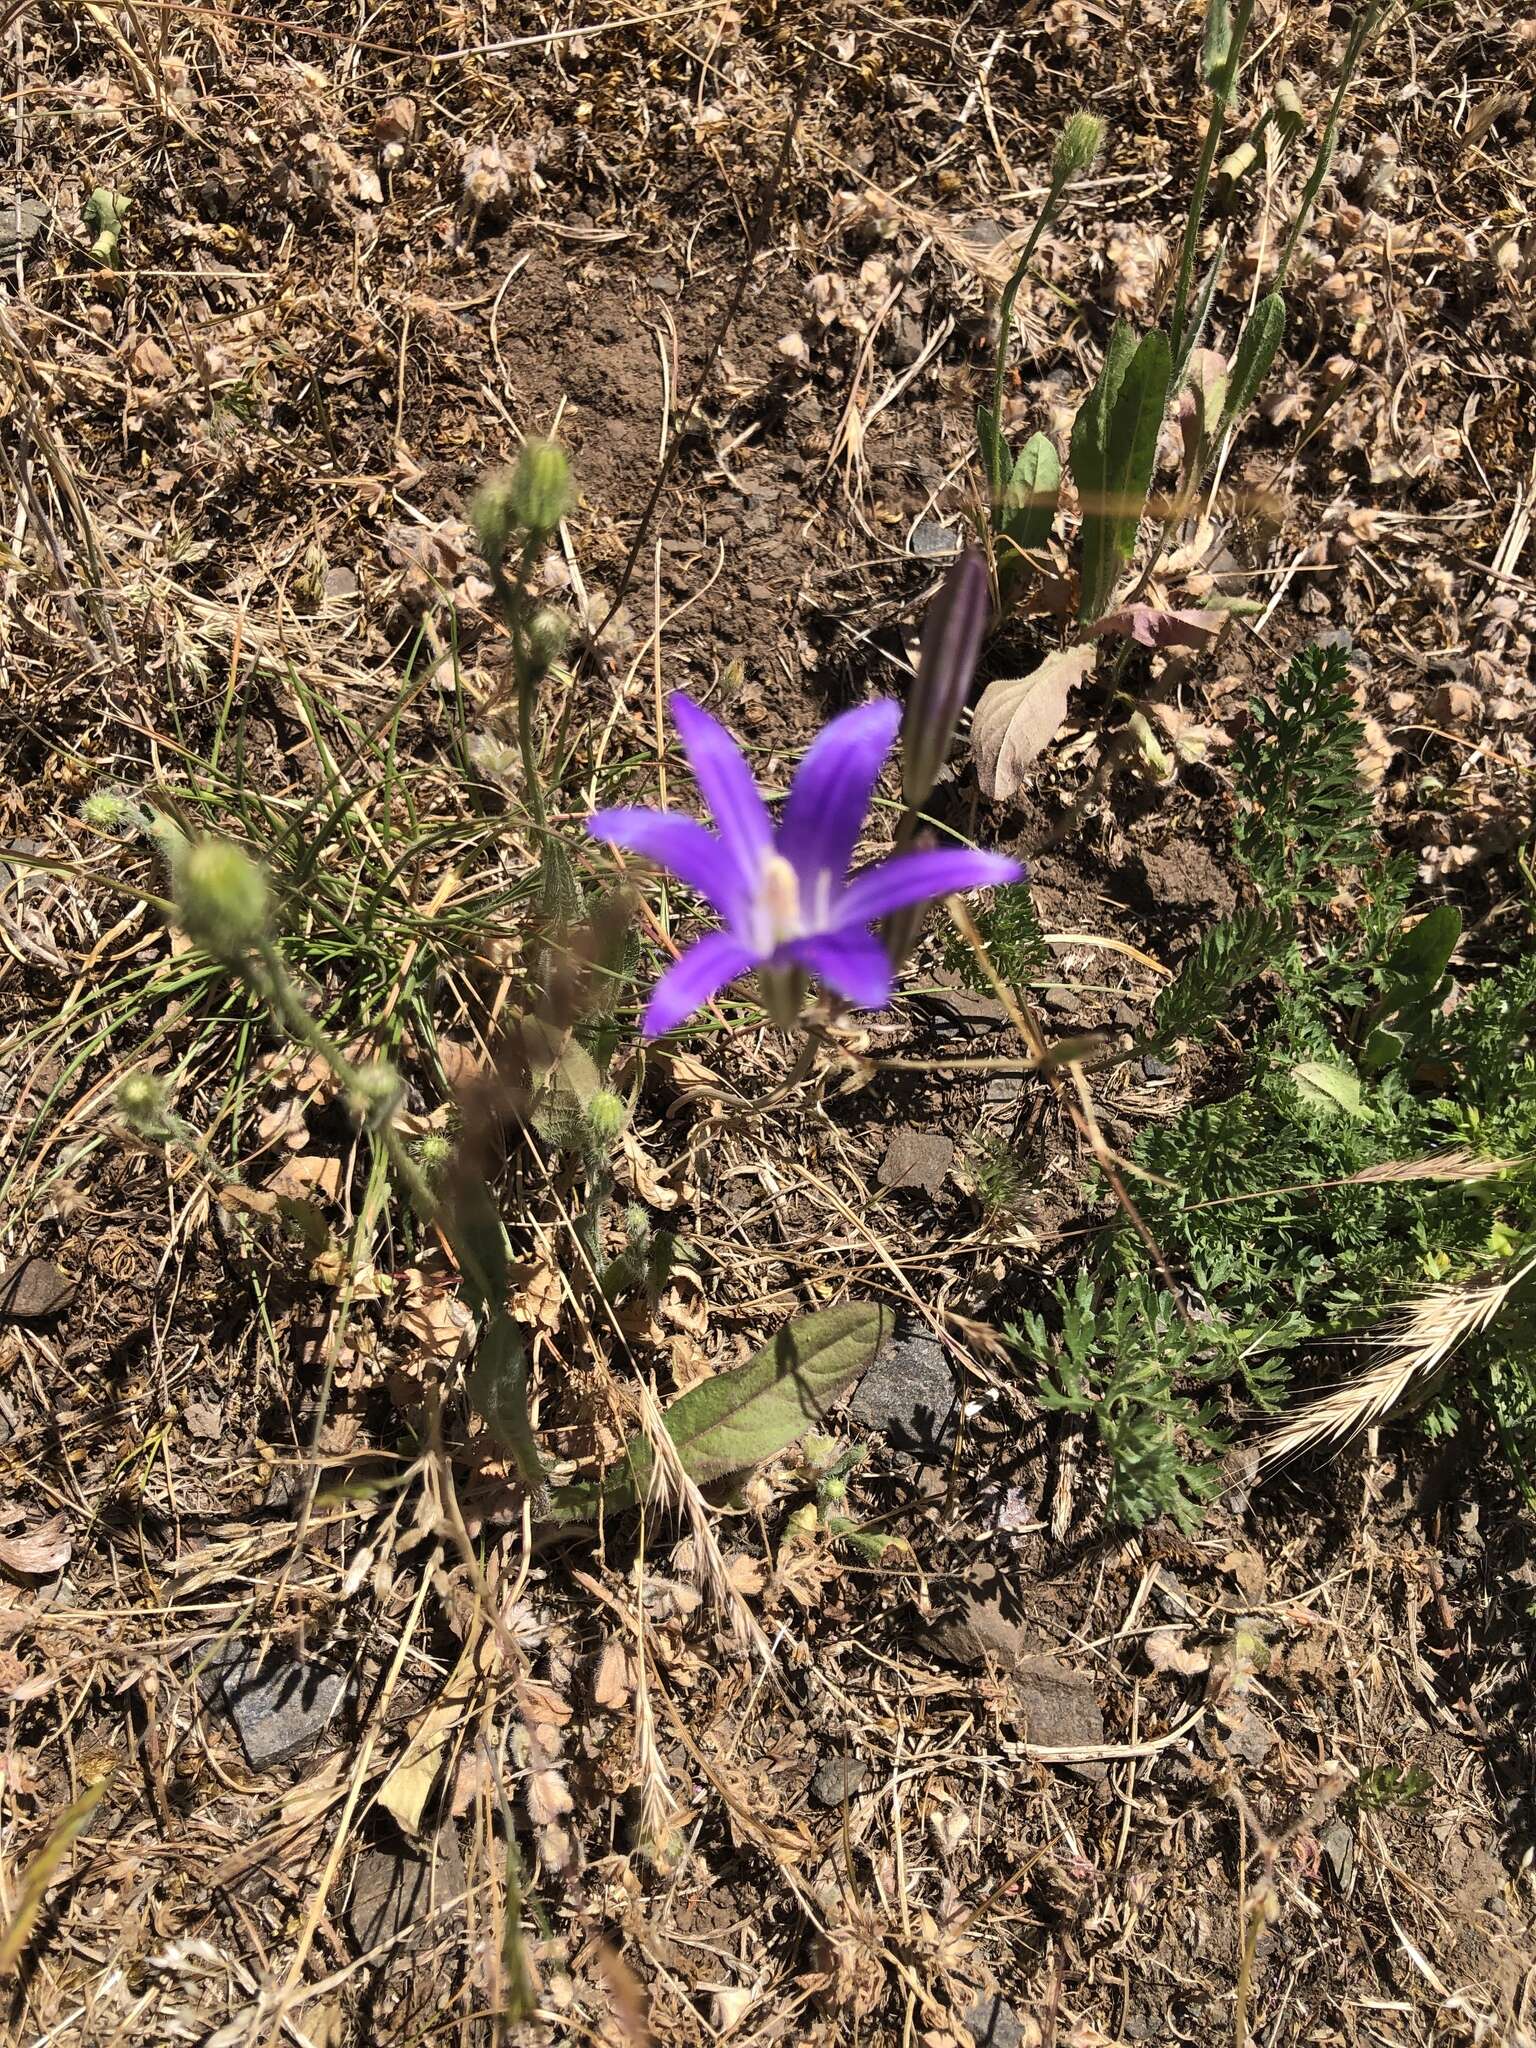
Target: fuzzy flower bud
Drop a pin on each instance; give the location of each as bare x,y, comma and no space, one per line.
541,486
104,810
221,896
493,518
1077,149
606,1116
952,636
548,635
142,1101
376,1092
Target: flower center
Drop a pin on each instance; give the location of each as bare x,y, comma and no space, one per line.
778,902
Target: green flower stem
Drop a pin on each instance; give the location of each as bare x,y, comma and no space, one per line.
1359,37
1223,89
1048,213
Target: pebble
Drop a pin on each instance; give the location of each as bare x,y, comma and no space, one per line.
909,1396
393,1888
838,1778
992,2022
930,538
278,1706
1157,1070
32,1290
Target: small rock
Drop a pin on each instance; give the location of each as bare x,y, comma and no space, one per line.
278,1706
1059,1707
993,2023
1338,1845
917,1159
1247,1734
1127,1018
909,1395
392,1889
1002,1091
1062,1002
978,1632
905,344
22,222
958,1013
1157,1070
32,1290
929,538
837,1779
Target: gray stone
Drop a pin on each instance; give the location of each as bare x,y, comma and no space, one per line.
393,1888
929,538
278,1706
960,1013
1063,1002
917,1159
32,1290
1338,1848
1157,1070
909,1395
838,1778
22,222
992,2022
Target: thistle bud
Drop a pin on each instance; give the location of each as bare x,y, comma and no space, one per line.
376,1092
493,518
952,636
104,810
606,1116
1077,149
220,895
541,486
142,1101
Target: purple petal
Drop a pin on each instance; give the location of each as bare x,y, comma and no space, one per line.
680,845
725,780
851,961
918,878
829,797
690,982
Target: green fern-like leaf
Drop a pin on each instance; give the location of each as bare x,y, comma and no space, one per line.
1303,817
1230,955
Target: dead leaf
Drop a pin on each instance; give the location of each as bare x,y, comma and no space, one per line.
284,1125
614,1679
1166,1652
38,1553
308,1174
657,1186
1151,625
404,1792
151,361
434,1316
1019,716
540,1302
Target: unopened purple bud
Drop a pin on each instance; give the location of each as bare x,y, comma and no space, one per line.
952,636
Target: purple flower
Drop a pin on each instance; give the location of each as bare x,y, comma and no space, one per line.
785,895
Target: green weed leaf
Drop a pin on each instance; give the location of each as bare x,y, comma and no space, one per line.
1114,449
1257,347
1328,1086
732,1422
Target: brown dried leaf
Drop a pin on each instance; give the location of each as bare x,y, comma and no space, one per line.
1019,716
38,1553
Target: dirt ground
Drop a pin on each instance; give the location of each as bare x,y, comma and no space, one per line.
1025,1779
